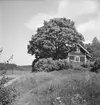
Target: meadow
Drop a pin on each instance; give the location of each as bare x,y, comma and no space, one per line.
66,87
17,72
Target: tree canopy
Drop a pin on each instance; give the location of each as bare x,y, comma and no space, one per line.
94,48
54,39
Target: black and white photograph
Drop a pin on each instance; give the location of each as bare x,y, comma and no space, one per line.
49,52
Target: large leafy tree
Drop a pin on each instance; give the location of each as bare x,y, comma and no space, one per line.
54,39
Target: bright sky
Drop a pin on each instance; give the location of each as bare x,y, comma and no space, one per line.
20,19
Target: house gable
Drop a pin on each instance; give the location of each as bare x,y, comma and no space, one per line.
78,54
77,51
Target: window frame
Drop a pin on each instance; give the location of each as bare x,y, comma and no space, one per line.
76,58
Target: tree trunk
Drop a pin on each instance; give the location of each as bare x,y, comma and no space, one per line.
33,64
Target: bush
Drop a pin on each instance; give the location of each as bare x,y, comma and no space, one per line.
51,65
78,68
88,64
96,66
63,64
7,94
85,65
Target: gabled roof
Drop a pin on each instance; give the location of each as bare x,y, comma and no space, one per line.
83,48
88,54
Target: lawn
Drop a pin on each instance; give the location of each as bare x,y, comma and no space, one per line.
58,88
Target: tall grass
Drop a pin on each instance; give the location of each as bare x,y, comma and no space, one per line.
73,90
69,89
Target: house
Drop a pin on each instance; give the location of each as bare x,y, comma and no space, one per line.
79,54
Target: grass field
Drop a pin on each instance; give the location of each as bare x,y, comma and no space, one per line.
58,88
16,72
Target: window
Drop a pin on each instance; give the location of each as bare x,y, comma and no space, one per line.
71,57
78,49
77,59
82,59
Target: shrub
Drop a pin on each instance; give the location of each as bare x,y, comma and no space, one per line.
81,69
96,66
78,68
88,64
7,94
85,65
51,65
63,64
45,65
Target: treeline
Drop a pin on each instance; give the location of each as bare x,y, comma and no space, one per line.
8,66
25,67
94,48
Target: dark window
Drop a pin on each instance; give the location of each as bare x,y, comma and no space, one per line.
82,59
77,58
71,57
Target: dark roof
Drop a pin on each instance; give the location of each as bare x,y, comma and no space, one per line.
83,48
88,54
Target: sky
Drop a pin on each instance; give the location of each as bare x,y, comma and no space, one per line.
19,20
